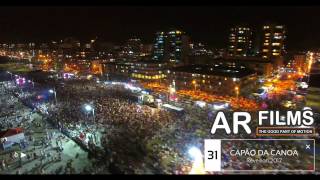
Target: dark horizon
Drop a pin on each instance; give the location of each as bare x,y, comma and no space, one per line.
209,25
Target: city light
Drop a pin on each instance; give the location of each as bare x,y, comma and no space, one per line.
172,90
88,107
159,95
20,80
195,153
53,91
197,165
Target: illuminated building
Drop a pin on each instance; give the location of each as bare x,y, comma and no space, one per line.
177,47
260,66
143,70
132,49
216,78
199,49
240,41
172,47
159,45
273,41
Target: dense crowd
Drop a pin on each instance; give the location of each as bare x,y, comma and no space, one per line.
135,138
117,117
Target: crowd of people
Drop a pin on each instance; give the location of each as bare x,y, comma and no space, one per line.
134,138
44,150
117,118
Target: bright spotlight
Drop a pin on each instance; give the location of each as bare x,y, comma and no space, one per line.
197,164
88,107
195,152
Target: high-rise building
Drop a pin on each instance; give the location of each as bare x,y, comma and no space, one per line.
198,49
240,41
133,49
172,47
273,41
159,45
177,46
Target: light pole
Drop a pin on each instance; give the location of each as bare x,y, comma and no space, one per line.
29,81
194,82
197,165
89,108
32,83
10,74
237,91
53,91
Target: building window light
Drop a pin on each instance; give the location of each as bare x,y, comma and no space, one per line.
277,37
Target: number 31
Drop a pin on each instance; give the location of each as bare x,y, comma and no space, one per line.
213,155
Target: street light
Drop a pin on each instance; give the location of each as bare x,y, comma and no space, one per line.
53,91
195,152
10,74
89,108
29,81
194,82
197,165
237,91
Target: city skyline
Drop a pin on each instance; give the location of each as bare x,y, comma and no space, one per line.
159,90
209,25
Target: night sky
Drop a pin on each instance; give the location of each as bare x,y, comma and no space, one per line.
116,24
